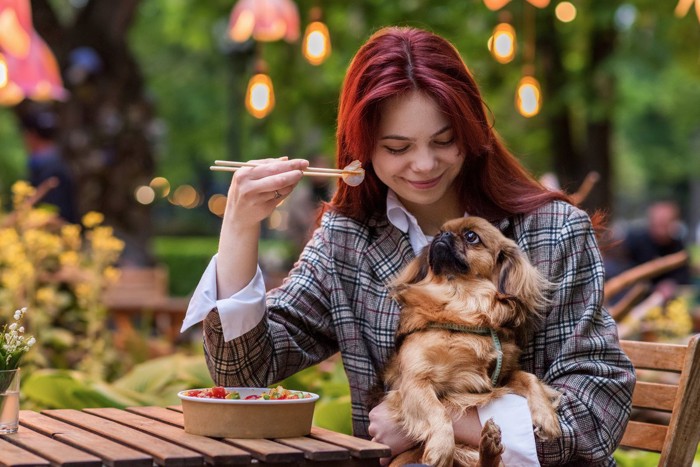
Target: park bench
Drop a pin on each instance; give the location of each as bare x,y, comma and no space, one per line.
141,296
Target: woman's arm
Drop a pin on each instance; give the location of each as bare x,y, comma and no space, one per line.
296,331
578,351
251,198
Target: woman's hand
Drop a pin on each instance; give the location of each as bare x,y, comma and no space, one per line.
256,191
384,429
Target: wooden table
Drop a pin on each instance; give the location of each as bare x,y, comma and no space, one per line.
147,436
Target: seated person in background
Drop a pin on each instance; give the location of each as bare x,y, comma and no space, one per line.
661,236
46,162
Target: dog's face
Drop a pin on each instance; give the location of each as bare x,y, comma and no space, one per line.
469,257
468,246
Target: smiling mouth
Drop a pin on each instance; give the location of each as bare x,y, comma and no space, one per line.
425,184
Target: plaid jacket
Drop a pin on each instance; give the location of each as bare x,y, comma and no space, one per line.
335,299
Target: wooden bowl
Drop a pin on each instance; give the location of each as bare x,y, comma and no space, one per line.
240,418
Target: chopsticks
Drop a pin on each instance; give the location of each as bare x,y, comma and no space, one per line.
232,166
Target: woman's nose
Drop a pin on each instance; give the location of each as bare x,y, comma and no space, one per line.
423,161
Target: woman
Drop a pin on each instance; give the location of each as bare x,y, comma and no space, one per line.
412,113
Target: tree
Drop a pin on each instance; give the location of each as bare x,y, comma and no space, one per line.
106,122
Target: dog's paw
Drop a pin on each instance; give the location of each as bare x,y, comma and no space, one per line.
490,447
546,425
438,452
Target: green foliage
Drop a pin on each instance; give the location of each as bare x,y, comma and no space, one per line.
155,382
328,380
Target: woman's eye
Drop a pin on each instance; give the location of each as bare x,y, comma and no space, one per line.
471,237
400,150
446,142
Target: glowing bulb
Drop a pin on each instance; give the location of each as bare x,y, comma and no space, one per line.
4,78
144,194
502,43
565,12
260,96
528,98
316,46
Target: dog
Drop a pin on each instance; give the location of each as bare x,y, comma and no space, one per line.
468,302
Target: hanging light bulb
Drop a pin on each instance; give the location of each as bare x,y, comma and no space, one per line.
502,43
316,46
264,20
260,95
528,97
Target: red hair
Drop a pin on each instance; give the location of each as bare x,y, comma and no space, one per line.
395,61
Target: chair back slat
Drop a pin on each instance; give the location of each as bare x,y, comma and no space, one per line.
654,396
672,388
646,436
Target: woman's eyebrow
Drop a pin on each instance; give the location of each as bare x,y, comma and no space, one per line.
406,138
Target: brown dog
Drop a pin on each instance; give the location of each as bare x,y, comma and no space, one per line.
467,302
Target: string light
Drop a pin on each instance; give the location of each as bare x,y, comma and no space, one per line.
316,46
502,43
260,95
528,97
565,12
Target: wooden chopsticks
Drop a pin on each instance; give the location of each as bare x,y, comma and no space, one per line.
232,166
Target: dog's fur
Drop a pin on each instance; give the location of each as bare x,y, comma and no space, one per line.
470,275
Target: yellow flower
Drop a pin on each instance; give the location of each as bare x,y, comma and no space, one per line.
21,190
69,258
92,219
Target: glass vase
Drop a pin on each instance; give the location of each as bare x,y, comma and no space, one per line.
9,401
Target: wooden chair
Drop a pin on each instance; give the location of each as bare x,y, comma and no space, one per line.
677,398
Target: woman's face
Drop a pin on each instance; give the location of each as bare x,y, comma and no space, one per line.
416,154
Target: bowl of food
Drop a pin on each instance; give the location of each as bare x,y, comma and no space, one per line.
230,412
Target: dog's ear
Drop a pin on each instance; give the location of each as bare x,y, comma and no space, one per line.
520,279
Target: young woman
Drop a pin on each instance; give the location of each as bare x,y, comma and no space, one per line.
412,113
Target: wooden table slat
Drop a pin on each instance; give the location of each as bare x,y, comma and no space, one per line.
267,450
163,452
358,447
316,450
15,456
54,451
112,453
215,452
160,413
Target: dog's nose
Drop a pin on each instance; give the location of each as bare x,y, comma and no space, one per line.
446,237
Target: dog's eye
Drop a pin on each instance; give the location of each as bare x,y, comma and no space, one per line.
471,237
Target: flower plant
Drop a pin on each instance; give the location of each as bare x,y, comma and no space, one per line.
13,345
59,270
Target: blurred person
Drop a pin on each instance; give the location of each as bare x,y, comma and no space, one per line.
662,235
46,163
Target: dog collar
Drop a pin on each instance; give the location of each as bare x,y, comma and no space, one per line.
480,331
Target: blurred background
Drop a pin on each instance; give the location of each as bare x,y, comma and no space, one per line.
127,103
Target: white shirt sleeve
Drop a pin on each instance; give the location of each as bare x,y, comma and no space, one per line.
512,414
239,313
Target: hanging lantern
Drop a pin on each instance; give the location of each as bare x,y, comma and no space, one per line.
502,43
260,95
528,97
27,65
15,27
264,20
316,46
494,5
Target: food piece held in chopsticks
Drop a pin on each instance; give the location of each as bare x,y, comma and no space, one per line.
353,174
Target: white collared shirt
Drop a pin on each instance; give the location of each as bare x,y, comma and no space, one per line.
242,311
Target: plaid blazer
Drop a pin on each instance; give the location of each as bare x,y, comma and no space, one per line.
335,299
